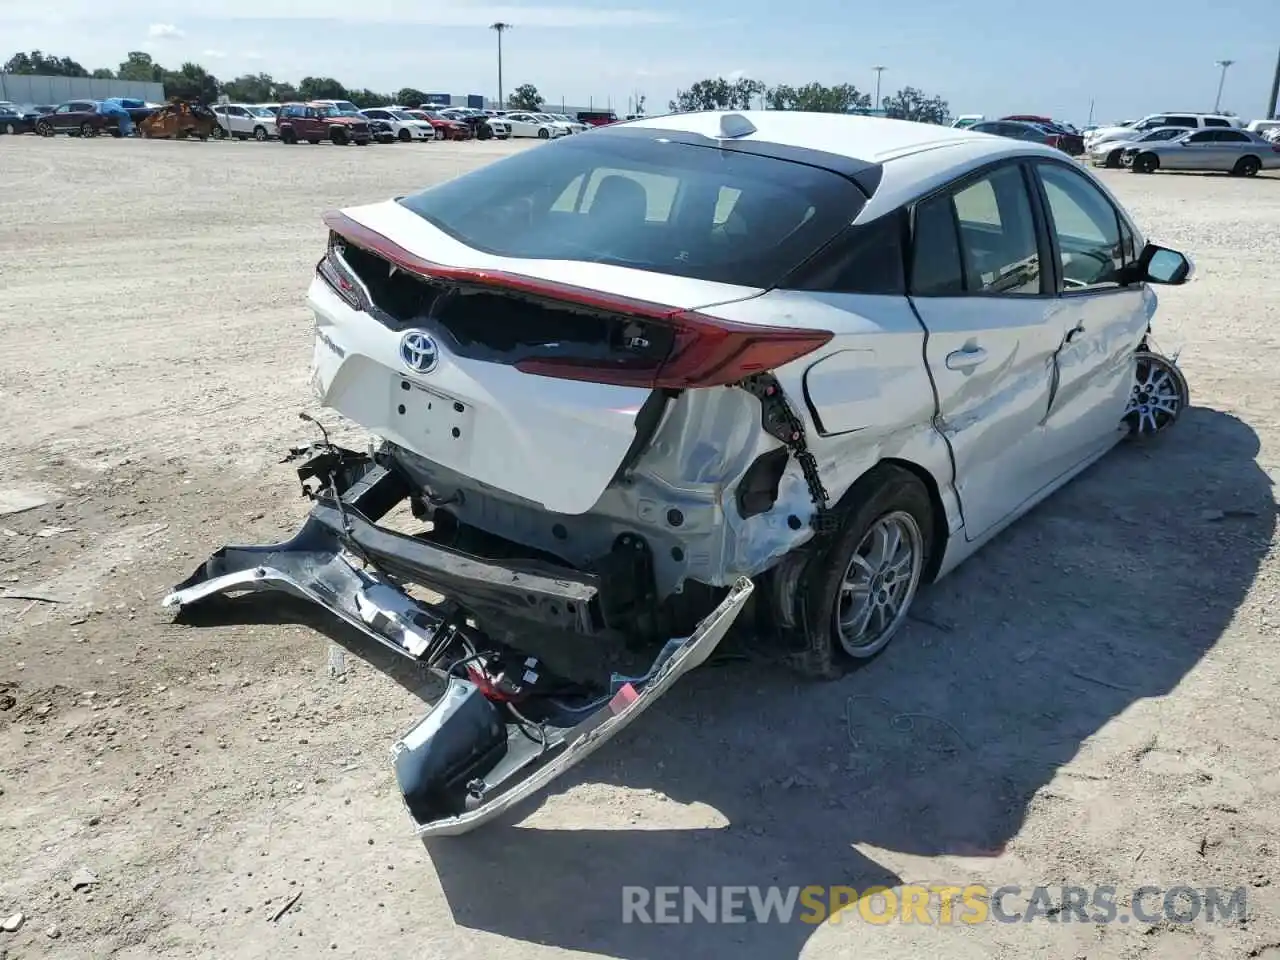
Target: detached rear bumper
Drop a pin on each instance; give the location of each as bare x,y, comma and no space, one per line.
496,736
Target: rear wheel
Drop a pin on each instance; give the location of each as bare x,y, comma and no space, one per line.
260,133
288,136
219,133
544,134
10,129
87,129
44,128
1146,163
404,136
1113,159
1247,167
860,588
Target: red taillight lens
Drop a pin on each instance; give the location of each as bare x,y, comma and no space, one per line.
705,351
339,277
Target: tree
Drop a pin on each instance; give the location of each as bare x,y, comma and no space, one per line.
817,98
321,88
103,73
717,94
364,98
140,66
191,82
37,63
525,97
911,104
410,97
251,88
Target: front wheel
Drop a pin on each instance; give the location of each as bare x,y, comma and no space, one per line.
1160,394
405,136
544,134
1145,163
10,129
861,586
260,133
44,128
87,129
219,133
1113,159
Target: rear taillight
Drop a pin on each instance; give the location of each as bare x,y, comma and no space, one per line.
705,351
341,280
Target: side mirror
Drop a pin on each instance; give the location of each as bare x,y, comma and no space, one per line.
1162,265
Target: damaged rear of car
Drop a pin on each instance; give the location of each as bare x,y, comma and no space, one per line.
594,442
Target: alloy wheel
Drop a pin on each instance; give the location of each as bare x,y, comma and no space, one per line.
879,584
1159,396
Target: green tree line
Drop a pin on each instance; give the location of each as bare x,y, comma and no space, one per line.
718,93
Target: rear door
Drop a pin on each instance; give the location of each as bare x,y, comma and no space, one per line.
1101,324
1230,146
1193,152
980,286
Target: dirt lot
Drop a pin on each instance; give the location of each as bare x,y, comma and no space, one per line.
1094,699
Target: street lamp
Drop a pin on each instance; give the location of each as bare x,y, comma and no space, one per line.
1217,103
876,104
500,27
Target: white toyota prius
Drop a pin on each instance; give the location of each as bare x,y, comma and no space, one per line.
775,368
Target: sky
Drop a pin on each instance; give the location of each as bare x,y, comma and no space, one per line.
989,56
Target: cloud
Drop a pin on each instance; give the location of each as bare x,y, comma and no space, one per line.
213,54
164,31
733,76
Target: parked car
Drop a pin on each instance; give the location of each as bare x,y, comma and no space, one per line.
597,118
528,125
273,107
1135,128
15,119
1262,127
624,377
179,120
1237,152
446,129
1069,140
483,127
138,110
314,122
573,126
403,126
1107,153
967,120
381,131
1017,130
344,107
79,118
245,120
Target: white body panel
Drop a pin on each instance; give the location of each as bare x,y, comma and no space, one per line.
238,120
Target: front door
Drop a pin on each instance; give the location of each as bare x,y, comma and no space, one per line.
1102,321
994,326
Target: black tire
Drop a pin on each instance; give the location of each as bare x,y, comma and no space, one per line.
45,128
544,134
404,136
1146,163
1113,159
260,134
339,137
219,133
886,494
1247,167
288,136
10,129
87,129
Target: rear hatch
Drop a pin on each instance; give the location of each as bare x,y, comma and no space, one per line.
527,312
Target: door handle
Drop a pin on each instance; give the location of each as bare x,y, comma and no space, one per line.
966,359
1074,332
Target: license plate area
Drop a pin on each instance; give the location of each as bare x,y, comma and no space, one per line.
439,424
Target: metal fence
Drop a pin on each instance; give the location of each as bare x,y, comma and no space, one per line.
23,89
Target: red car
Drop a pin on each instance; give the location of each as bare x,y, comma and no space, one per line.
1059,136
445,128
314,122
597,118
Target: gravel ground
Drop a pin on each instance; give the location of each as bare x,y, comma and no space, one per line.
1090,700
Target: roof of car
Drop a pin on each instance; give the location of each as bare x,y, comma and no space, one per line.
916,157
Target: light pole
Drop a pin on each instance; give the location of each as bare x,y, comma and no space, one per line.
878,70
500,28
1217,102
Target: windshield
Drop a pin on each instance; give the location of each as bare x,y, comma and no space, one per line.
654,205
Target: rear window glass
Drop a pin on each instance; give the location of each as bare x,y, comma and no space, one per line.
651,204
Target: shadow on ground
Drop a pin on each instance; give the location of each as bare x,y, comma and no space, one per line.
1108,593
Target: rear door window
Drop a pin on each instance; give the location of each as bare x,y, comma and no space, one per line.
936,264
1216,122
1183,122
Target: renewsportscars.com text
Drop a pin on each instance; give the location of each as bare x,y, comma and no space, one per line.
933,904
